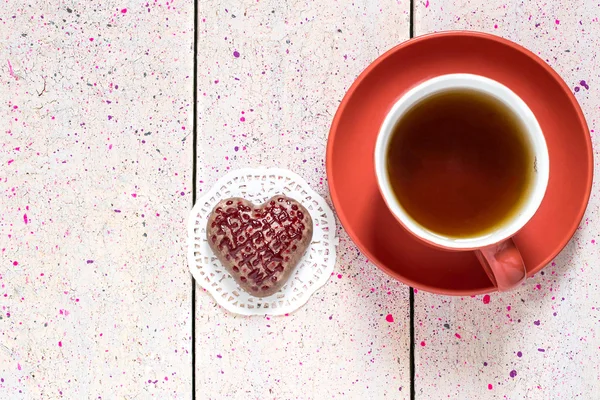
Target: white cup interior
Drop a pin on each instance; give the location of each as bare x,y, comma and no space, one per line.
534,136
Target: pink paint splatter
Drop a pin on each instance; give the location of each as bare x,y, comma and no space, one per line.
486,299
25,219
11,72
389,318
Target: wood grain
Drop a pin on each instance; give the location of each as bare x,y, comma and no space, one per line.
541,341
271,75
96,161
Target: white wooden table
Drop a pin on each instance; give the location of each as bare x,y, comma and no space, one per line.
96,181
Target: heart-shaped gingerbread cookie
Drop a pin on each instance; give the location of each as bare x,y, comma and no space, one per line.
259,245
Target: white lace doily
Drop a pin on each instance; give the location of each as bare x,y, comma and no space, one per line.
258,185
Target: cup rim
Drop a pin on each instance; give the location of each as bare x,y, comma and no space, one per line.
520,110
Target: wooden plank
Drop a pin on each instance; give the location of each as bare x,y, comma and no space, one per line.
95,187
541,341
270,77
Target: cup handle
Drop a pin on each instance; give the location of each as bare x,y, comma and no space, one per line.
503,264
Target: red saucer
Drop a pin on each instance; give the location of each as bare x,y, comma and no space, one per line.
350,164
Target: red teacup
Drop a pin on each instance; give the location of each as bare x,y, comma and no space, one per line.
352,181
493,247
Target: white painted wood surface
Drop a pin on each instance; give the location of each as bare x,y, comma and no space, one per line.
541,341
270,77
95,187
